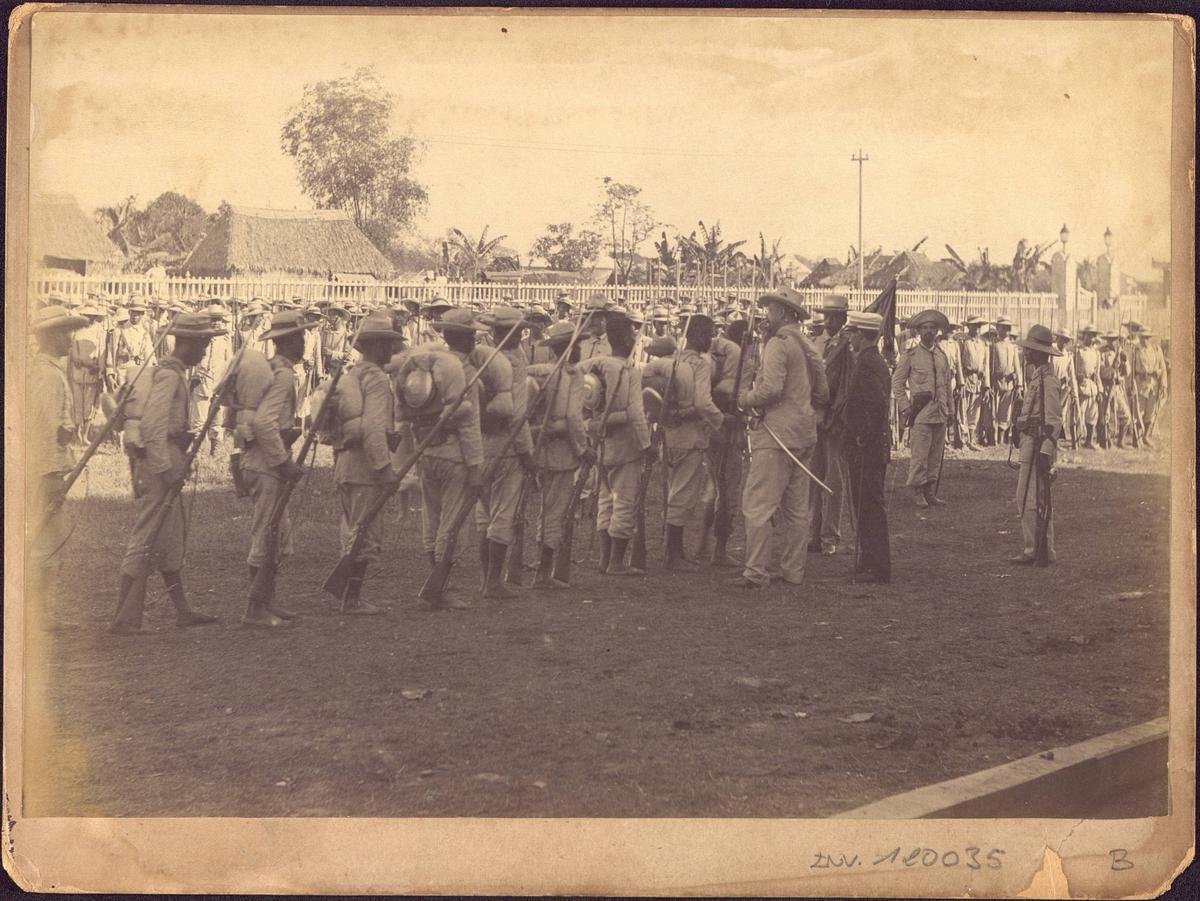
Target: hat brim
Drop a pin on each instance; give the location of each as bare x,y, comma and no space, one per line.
202,334
63,323
784,302
441,326
492,323
276,334
380,335
1039,346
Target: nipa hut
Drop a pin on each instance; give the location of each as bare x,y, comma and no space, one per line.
287,243
61,236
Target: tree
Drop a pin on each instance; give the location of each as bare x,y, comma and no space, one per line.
566,251
627,221
164,231
469,257
348,159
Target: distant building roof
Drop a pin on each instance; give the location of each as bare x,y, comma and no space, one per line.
307,242
910,268
59,228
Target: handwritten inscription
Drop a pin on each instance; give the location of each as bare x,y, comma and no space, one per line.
970,857
1120,859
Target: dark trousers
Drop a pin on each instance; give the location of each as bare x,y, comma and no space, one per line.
867,471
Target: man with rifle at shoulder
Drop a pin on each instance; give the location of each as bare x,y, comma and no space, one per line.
160,469
267,462
1038,428
725,443
362,459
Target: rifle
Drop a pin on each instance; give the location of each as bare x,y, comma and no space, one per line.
123,397
723,459
337,580
956,432
435,585
516,557
1041,547
562,559
262,590
1135,412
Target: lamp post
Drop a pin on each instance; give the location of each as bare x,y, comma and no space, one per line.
860,159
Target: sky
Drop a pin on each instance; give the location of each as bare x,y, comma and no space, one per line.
979,131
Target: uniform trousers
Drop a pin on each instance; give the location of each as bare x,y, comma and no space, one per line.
496,512
444,493
1026,499
1088,410
557,485
264,492
49,536
776,494
165,551
868,469
686,478
825,517
356,500
1068,417
616,500
973,401
927,444
86,393
727,494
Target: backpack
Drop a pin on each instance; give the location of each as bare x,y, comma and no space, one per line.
250,384
335,425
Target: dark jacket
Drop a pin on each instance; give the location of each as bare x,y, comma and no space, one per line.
866,410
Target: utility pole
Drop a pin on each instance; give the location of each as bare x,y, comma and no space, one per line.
860,159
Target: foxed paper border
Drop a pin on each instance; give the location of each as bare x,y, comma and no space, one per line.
713,857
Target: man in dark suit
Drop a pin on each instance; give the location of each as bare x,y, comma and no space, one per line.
866,445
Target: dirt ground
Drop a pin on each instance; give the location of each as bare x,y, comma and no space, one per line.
637,697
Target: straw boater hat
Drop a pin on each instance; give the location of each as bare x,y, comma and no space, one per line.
377,326
194,325
458,319
660,314
1040,339
55,317
866,322
1146,332
288,322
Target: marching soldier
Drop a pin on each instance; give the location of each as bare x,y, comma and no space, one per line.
1114,405
689,417
159,472
594,342
562,306
866,441
1149,380
924,370
267,461
1064,369
1087,376
216,360
788,397
450,467
1040,426
1008,378
977,378
362,466
727,442
829,465
535,350
622,446
952,349
49,458
87,367
508,385
563,448
254,326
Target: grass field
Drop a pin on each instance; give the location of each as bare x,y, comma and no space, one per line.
653,696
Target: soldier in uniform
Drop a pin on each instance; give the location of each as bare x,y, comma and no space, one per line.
1087,376
562,306
135,344
535,350
789,395
254,326
334,334
209,371
507,385
1114,405
86,367
829,465
1040,426
726,443
1008,378
1064,368
594,342
267,462
866,440
450,467
160,470
561,449
977,378
1149,380
48,457
362,464
622,446
689,418
924,370
953,350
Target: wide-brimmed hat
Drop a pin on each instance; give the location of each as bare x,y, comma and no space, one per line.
975,320
1111,336
1133,325
661,346
618,312
1088,329
538,312
89,309
504,318
1041,339
121,315
1061,332
289,322
194,325
835,303
458,319
216,311
557,335
55,317
660,314
1146,332
790,299
437,303
1004,320
937,317
137,304
867,322
377,326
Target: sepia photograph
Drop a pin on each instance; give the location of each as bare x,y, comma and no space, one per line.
599,451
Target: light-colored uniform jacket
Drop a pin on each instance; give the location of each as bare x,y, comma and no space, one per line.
628,435
276,412
366,458
53,409
166,417
789,387
693,402
565,439
924,370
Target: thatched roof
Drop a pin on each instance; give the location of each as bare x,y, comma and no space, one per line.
304,242
59,228
911,269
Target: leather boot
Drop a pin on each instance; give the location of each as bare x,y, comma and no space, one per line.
605,551
544,577
257,614
484,561
675,561
354,604
931,497
495,589
184,614
131,600
616,565
271,606
722,527
919,496
706,525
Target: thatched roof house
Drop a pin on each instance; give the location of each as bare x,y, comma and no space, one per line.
320,243
61,236
910,268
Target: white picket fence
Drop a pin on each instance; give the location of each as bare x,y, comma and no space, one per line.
1023,309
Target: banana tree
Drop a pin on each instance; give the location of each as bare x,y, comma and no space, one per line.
472,256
